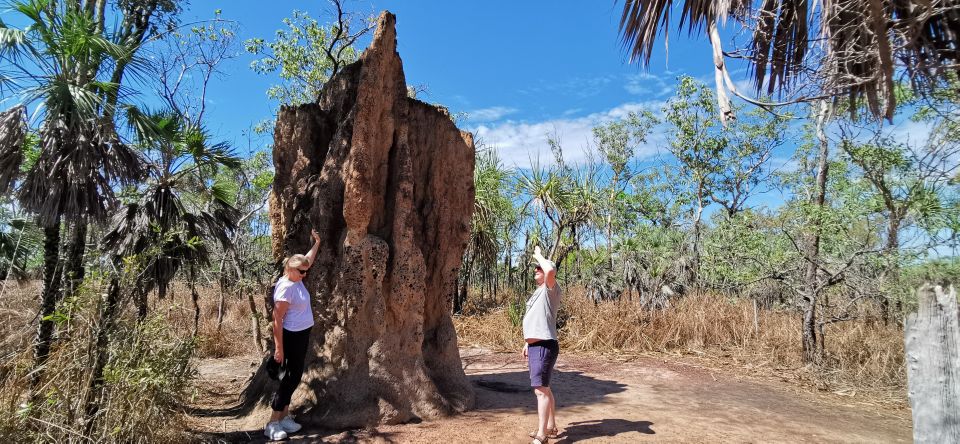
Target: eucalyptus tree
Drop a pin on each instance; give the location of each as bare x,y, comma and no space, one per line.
618,142
910,183
67,64
725,165
307,53
698,145
186,60
751,141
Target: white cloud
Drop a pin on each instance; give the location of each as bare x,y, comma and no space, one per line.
519,143
911,132
489,114
647,84
580,87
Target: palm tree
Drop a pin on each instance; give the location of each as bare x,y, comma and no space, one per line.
178,211
566,197
66,65
854,46
169,226
491,207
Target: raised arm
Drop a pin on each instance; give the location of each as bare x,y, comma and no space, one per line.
312,254
549,272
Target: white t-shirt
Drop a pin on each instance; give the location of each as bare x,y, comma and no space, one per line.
299,315
540,321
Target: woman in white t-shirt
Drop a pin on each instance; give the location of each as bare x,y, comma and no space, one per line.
292,320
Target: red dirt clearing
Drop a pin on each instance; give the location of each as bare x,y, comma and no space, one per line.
599,400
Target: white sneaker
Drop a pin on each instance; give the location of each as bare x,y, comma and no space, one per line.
274,431
289,425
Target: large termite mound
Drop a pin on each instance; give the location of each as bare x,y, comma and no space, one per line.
387,181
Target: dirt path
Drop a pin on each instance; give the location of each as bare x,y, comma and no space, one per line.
599,400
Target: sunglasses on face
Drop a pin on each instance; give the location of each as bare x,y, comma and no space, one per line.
302,272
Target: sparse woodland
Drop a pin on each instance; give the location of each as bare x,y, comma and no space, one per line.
133,241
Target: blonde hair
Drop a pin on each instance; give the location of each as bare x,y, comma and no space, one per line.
295,261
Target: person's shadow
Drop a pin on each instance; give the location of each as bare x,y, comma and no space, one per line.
511,390
580,430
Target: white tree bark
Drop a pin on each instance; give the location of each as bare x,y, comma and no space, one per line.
933,365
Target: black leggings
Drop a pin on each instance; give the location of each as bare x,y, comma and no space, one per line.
294,352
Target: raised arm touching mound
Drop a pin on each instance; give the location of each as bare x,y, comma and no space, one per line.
292,321
312,254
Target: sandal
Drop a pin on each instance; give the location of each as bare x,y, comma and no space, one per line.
552,434
540,440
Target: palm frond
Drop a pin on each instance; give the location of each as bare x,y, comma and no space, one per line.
76,172
13,132
864,42
144,126
16,246
13,42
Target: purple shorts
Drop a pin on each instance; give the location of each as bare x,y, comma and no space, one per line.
542,356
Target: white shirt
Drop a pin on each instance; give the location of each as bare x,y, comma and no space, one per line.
299,315
540,321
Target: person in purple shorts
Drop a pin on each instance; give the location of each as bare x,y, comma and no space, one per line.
541,347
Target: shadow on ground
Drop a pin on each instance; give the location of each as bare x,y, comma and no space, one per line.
511,390
306,436
508,390
606,428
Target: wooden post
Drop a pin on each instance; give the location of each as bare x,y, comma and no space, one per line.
933,365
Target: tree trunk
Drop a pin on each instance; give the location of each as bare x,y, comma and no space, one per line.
891,272
221,298
74,266
52,292
101,353
463,285
254,320
507,269
811,352
195,297
140,301
254,314
695,263
932,341
610,232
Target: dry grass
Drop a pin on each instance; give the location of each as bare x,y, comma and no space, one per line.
146,379
860,356
231,337
149,375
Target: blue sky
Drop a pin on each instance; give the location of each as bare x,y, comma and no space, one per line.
518,69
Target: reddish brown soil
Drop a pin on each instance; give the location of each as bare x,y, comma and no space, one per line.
599,400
